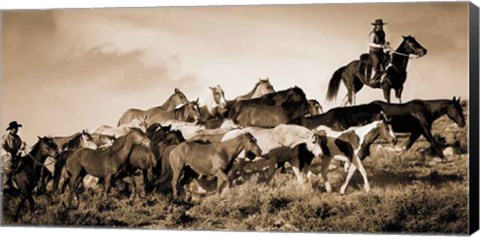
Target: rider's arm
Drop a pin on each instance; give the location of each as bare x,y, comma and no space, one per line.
371,42
5,145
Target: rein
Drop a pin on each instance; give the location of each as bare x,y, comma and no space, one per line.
38,163
402,54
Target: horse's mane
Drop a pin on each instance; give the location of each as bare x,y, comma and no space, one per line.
73,143
118,144
35,148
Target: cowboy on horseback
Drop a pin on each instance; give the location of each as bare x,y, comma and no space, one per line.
11,146
377,44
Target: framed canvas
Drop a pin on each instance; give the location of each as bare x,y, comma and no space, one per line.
308,117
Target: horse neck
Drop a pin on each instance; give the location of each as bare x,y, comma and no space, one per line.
368,129
234,147
400,61
211,104
168,105
437,108
34,159
367,139
250,94
122,153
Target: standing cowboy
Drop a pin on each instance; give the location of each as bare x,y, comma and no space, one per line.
377,44
11,145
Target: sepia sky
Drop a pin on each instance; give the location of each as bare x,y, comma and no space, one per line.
68,70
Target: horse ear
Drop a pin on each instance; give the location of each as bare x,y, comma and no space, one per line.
404,37
211,88
458,99
198,99
454,98
39,138
177,90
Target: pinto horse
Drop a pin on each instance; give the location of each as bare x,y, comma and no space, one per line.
102,163
342,118
215,106
210,158
417,116
352,146
178,98
354,77
185,113
29,171
262,87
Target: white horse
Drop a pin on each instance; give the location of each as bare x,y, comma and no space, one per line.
122,129
352,146
190,130
262,87
215,104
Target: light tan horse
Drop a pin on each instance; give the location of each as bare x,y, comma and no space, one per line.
122,130
262,87
178,98
186,113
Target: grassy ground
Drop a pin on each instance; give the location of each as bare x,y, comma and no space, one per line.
410,193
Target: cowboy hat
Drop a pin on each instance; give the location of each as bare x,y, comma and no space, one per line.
13,125
379,22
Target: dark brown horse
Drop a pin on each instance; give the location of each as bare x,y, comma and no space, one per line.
417,116
210,158
354,77
178,98
293,94
105,163
29,171
342,118
271,116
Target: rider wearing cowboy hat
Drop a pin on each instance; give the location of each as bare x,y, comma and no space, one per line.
377,44
11,145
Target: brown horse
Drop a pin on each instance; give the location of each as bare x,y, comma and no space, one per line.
353,76
271,116
210,158
314,108
29,170
178,98
105,163
186,113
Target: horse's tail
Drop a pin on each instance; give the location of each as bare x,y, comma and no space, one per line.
334,83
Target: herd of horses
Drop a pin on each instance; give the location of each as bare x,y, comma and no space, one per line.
183,141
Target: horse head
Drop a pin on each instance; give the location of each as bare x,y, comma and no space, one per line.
411,46
263,87
139,137
47,147
314,108
218,96
178,98
386,130
191,111
86,140
251,147
455,112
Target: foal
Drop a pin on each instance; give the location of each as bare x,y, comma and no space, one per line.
352,146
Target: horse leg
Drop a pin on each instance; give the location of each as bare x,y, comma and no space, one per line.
295,162
324,171
412,139
345,100
398,94
222,178
22,202
131,182
176,176
357,164
108,183
272,167
32,204
386,93
428,135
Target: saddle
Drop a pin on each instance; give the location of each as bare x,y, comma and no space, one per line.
365,67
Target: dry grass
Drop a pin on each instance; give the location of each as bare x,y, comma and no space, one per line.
409,194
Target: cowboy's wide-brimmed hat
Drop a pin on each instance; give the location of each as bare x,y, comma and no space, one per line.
13,125
379,22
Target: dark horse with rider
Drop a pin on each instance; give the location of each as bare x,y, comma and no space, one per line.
382,67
